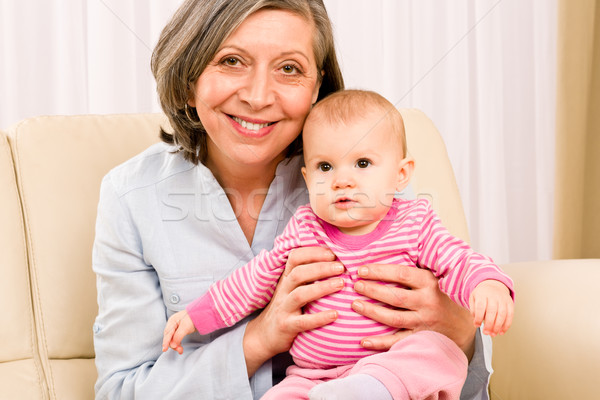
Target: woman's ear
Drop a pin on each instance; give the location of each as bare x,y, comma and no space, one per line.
405,171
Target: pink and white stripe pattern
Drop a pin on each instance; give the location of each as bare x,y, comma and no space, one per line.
411,234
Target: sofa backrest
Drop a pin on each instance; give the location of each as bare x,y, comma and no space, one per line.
21,374
59,163
434,177
49,186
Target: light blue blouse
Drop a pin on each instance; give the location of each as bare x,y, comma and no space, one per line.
165,231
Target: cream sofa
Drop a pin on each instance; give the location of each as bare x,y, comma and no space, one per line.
50,171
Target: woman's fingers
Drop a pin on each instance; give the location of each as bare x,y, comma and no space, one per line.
304,294
404,294
402,319
306,265
394,296
307,255
384,342
410,277
307,322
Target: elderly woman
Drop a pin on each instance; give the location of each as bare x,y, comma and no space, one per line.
236,80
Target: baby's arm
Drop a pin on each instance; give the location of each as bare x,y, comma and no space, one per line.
178,326
491,303
233,298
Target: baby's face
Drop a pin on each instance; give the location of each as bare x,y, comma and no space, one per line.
353,171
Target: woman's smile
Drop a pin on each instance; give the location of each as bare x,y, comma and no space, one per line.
252,127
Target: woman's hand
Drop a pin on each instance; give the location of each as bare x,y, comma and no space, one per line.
276,327
419,306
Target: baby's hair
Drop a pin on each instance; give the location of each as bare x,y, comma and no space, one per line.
346,106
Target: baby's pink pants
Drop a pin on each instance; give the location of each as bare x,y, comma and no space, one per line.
425,365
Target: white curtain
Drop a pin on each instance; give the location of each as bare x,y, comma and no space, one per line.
482,70
78,56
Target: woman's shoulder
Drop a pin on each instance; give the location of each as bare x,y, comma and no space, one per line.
152,165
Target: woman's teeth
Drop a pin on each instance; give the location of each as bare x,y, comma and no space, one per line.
250,125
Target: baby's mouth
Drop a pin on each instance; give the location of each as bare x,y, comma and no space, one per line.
344,200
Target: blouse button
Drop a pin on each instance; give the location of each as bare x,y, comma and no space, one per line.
175,299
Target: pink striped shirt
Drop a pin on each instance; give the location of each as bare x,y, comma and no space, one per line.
410,234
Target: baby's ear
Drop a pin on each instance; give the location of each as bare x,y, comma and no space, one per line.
303,170
405,171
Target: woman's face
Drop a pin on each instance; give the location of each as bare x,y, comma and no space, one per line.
254,95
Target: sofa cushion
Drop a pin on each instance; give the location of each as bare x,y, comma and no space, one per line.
59,164
21,375
552,349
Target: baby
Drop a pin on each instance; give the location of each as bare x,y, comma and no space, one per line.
355,164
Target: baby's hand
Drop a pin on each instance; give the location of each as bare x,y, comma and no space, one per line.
178,326
491,303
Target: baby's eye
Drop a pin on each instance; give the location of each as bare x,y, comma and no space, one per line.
363,163
324,167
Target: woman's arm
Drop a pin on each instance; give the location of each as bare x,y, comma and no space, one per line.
131,319
423,306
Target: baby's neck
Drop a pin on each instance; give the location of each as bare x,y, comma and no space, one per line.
360,230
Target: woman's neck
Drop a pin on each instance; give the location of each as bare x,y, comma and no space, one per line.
242,178
246,188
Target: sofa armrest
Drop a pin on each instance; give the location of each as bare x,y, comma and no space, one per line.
552,350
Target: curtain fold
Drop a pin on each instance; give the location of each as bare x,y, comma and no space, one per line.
577,196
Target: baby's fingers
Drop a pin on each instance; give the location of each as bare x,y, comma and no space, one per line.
168,335
176,347
185,326
491,314
510,312
498,326
175,343
478,309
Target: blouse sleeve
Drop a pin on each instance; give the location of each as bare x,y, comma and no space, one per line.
131,319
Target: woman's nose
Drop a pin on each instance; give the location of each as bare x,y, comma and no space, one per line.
258,91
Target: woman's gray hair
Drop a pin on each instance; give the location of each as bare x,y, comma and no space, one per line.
191,39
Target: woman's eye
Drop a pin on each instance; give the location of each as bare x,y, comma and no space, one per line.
231,61
289,69
363,163
324,167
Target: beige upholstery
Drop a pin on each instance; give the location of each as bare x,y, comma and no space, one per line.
20,370
59,163
50,172
433,177
552,351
